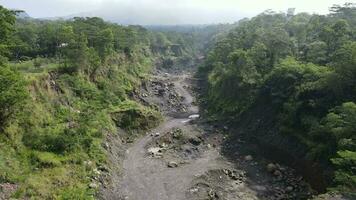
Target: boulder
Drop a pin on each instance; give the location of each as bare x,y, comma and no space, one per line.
96,172
277,173
212,194
163,145
194,116
289,189
155,151
172,164
93,185
271,167
195,141
248,158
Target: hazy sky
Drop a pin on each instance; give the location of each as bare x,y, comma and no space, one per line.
166,11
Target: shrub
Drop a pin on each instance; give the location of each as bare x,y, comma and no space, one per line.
45,159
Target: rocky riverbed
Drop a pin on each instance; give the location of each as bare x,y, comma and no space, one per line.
182,159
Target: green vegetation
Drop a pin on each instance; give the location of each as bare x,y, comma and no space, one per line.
64,86
304,68
12,94
130,115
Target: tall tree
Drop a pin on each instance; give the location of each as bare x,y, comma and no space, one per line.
7,20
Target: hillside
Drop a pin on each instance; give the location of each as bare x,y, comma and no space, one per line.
286,84
62,90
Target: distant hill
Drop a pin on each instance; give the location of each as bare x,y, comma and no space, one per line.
150,15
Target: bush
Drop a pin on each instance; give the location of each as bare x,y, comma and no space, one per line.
45,159
345,175
49,142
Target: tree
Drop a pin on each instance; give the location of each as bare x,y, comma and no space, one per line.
234,85
316,52
296,26
337,131
94,63
7,20
344,63
278,44
12,94
335,35
258,54
77,55
347,12
345,174
105,43
25,40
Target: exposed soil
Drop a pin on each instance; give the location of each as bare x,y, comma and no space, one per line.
182,159
7,189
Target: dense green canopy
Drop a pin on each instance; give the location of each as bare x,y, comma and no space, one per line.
302,66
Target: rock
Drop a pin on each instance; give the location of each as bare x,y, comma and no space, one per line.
248,158
213,194
163,145
195,141
330,196
161,92
155,151
260,188
177,133
103,168
88,163
96,172
186,148
172,164
194,190
93,185
271,167
106,145
289,189
277,173
234,177
194,116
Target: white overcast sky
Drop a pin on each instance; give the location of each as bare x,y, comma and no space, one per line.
167,11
